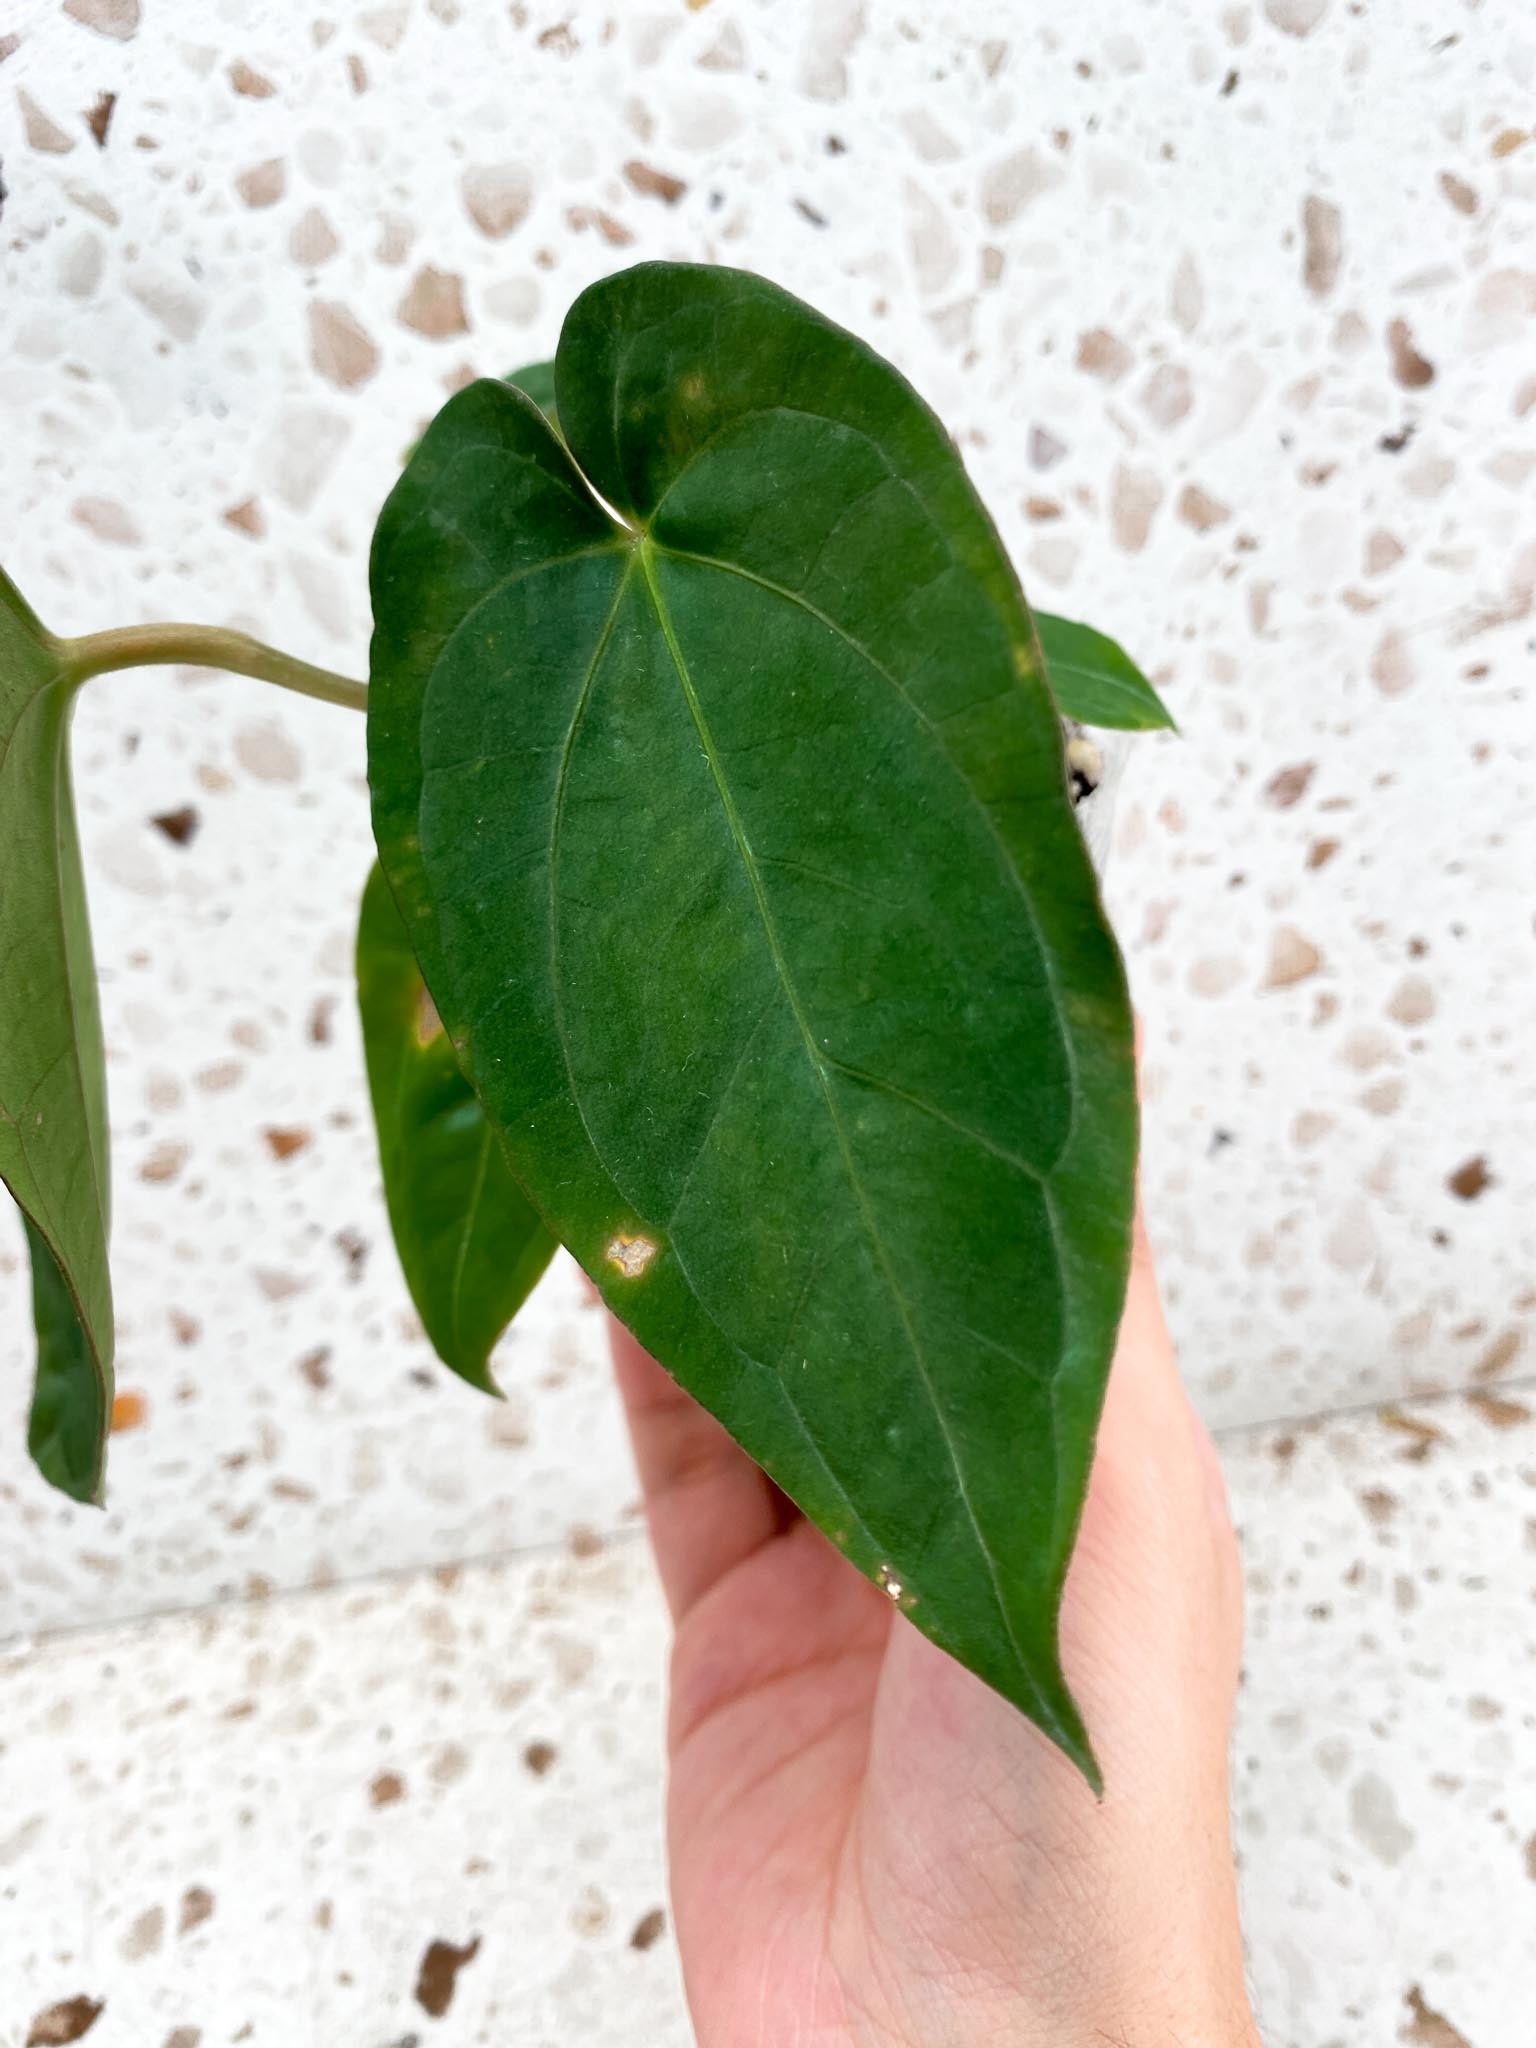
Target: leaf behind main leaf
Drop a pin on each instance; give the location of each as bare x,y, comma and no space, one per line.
53,1123
470,1243
736,847
1095,681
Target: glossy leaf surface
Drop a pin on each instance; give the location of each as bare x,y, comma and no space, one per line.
53,1121
470,1244
1095,681
735,844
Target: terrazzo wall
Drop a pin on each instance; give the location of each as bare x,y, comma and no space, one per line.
1233,311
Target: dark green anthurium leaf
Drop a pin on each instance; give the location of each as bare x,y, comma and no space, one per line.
53,1088
538,380
470,1244
735,845
1095,681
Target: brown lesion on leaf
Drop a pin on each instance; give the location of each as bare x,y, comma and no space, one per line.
630,1254
429,1024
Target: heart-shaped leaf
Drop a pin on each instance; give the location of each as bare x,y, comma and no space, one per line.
733,836
470,1244
538,381
53,1088
1095,681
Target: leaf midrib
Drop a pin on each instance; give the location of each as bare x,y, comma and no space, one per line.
646,550
888,676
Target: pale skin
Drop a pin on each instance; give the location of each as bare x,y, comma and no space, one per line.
868,1848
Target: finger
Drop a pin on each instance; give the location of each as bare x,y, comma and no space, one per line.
709,1507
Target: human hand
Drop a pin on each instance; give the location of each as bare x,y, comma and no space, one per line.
868,1846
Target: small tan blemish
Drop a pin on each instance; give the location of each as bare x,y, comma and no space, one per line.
429,1024
631,1255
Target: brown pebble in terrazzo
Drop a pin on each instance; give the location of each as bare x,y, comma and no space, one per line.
276,1285
218,1078
1295,17
1384,1098
266,752
449,1765
184,2037
649,1929
145,1935
1104,355
9,45
70,2020
1460,194
1497,1410
539,1756
434,305
438,1976
1508,140
1197,508
1427,2028
1383,551
250,83
353,1247
1392,669
1422,1435
196,1907
1292,958
1377,1820
497,197
1167,395
246,517
1412,370
1008,187
387,1789
107,519
1323,244
1321,851
41,130
1470,1178
1380,1504
1412,1001
164,1161
385,26
312,240
1500,1355
99,119
179,826
314,1367
340,347
1288,786
1134,498
264,183
613,232
654,184
118,19
283,1140
1045,451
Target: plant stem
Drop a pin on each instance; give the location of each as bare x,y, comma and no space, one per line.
95,654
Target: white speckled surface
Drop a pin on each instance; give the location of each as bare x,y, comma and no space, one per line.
1233,309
